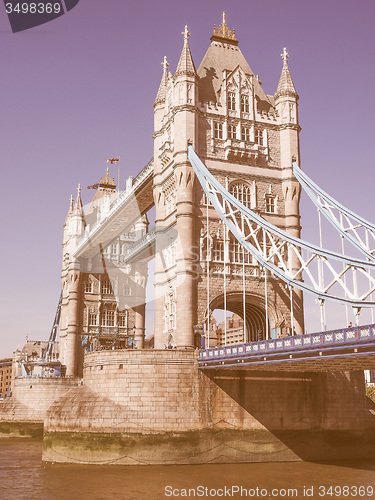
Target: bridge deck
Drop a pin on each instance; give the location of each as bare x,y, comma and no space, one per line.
336,350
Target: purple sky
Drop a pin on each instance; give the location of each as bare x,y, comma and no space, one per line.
80,89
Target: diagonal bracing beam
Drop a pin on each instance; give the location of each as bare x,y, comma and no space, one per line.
294,261
355,229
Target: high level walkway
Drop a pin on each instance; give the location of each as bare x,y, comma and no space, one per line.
335,350
133,202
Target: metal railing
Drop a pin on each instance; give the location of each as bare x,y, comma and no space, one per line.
296,343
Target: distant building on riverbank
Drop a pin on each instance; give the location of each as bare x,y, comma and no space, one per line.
5,376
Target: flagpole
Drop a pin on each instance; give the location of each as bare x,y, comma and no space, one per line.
112,161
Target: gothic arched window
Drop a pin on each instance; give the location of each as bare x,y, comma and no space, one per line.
242,192
218,250
244,103
231,101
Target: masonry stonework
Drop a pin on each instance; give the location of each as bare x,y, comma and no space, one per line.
156,407
248,140
125,405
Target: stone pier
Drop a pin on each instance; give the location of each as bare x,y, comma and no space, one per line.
155,407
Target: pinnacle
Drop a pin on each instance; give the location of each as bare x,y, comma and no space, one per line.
160,96
78,204
186,64
286,85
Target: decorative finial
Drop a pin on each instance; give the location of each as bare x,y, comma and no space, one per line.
71,200
186,33
165,64
285,55
79,190
223,31
107,182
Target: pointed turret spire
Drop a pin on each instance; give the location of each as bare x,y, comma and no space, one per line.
186,64
70,211
78,223
160,96
286,85
78,204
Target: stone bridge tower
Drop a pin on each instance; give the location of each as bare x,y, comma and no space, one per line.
103,296
248,140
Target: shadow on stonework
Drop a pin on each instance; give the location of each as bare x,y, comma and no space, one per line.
318,416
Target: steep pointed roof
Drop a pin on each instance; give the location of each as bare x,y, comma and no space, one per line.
286,85
162,92
186,64
224,54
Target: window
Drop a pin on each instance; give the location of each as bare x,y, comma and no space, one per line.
170,255
170,310
114,248
89,286
242,192
270,204
122,320
231,101
244,103
238,254
106,287
218,130
259,137
108,317
218,251
245,134
93,318
127,290
170,203
232,132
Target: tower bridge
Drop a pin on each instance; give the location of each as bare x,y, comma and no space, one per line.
225,183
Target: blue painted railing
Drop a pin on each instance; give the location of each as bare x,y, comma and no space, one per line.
296,343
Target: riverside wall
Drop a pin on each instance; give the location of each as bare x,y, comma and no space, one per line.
24,412
156,407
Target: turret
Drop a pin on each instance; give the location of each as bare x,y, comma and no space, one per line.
286,100
77,218
159,103
67,221
185,97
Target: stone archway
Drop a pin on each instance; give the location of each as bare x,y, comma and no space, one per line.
255,313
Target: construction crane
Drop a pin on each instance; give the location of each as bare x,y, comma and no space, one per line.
46,356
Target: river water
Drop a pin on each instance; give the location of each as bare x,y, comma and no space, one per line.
24,476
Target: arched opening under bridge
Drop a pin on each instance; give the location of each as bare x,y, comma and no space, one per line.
254,315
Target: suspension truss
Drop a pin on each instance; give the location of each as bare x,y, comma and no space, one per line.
358,231
323,273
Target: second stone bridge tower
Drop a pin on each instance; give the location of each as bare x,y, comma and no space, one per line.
248,140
